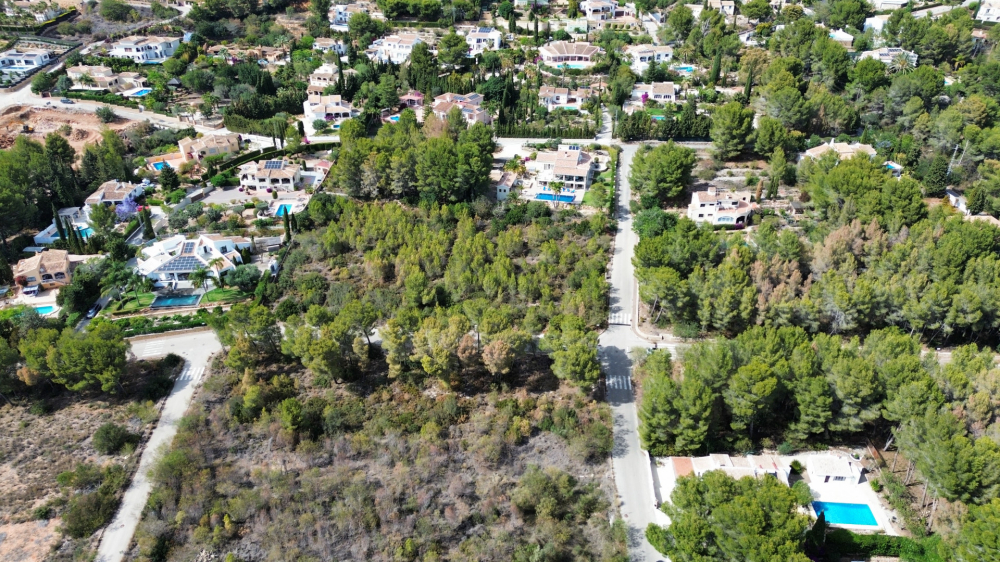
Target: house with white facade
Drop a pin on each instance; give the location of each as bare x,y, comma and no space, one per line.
888,5
470,105
569,164
644,55
327,44
530,3
958,201
721,208
888,54
324,76
340,14
727,7
145,49
75,216
755,466
481,39
842,37
270,174
40,10
876,23
825,469
394,48
989,11
696,10
114,192
103,78
505,183
660,92
564,98
19,61
572,55
607,14
843,150
169,262
334,109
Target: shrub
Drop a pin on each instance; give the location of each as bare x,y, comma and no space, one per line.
110,438
42,512
785,448
39,408
796,467
87,513
106,114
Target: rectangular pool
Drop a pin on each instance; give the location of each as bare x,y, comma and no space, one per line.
283,210
552,197
86,232
846,513
44,310
142,92
162,302
158,166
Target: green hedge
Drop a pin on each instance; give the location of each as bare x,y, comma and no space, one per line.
36,29
110,99
843,543
194,322
518,130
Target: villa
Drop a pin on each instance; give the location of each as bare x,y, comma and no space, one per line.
41,11
193,149
505,183
989,11
327,108
23,60
876,23
756,466
727,7
103,78
825,469
48,269
563,98
888,54
644,55
660,92
326,44
717,208
340,15
145,49
572,55
605,14
394,48
170,262
270,174
530,3
468,104
324,76
569,165
482,39
412,99
842,37
114,192
76,216
842,149
696,10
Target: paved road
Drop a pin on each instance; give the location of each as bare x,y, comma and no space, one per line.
633,477
195,348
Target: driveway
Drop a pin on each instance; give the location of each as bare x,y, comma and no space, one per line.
196,348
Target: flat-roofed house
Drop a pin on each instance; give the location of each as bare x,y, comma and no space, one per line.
329,44
143,49
273,174
721,208
196,149
340,14
727,7
574,55
170,262
989,11
21,60
470,105
482,39
888,54
607,14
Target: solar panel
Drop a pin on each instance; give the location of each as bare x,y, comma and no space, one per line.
181,263
188,248
272,165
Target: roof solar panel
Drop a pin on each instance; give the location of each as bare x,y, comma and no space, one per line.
188,247
272,165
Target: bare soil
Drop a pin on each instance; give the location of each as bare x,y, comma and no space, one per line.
28,542
85,126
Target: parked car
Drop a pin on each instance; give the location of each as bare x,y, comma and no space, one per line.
93,311
66,100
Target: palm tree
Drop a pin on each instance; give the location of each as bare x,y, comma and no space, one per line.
900,64
117,276
199,276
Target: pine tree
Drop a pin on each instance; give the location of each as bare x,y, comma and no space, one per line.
936,179
6,274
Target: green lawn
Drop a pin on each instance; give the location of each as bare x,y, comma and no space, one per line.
229,294
130,303
591,198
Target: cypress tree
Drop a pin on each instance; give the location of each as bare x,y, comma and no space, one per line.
295,224
716,68
749,85
58,223
536,31
147,225
288,228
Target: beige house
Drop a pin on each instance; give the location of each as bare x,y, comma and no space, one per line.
210,145
842,149
568,165
49,269
270,174
468,104
564,98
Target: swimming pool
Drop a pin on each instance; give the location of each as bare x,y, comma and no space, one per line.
394,118
161,302
86,232
158,166
282,210
684,68
575,65
142,92
552,197
43,310
657,117
846,513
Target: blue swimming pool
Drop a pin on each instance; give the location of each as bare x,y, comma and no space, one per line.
282,210
86,232
142,92
43,310
684,68
576,65
552,197
158,166
846,513
394,118
657,117
161,302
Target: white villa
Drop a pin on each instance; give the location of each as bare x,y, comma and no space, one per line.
340,14
114,192
145,49
328,108
660,92
169,262
573,55
888,5
842,149
394,48
326,44
989,11
727,7
888,54
842,37
41,11
603,14
23,60
482,39
644,55
103,78
729,208
77,216
825,469
569,165
553,98
270,174
468,104
756,466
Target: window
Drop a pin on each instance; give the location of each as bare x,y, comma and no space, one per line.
839,478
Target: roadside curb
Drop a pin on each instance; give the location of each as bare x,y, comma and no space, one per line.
144,337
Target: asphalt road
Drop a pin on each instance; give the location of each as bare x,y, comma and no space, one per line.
195,348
